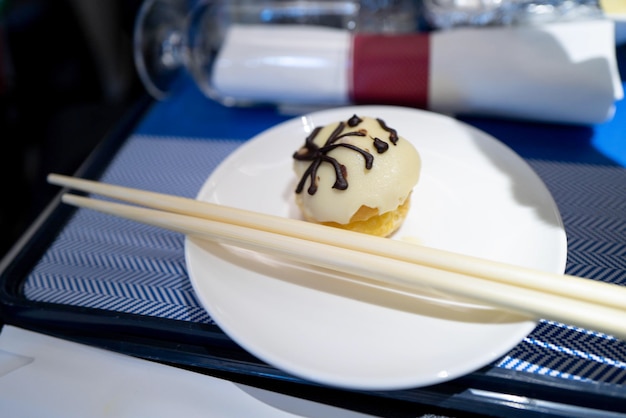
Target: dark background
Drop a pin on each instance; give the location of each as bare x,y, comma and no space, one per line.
66,78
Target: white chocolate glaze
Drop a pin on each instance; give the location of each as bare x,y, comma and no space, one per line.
385,186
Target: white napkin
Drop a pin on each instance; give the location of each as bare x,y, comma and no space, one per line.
42,376
560,72
563,72
294,64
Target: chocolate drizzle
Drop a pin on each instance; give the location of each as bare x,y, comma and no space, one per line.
393,135
354,121
381,146
318,155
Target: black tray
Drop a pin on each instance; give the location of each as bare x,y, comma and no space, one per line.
204,348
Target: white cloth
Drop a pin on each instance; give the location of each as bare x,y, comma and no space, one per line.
563,72
560,72
42,376
291,64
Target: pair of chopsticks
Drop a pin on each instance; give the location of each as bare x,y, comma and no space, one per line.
568,299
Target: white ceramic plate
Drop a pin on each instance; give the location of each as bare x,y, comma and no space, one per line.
475,196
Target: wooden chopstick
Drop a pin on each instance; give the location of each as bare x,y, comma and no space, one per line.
566,285
381,269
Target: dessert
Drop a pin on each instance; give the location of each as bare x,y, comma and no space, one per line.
356,174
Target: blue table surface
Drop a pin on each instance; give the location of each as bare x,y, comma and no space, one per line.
605,143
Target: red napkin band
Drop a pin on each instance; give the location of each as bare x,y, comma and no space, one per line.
390,69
